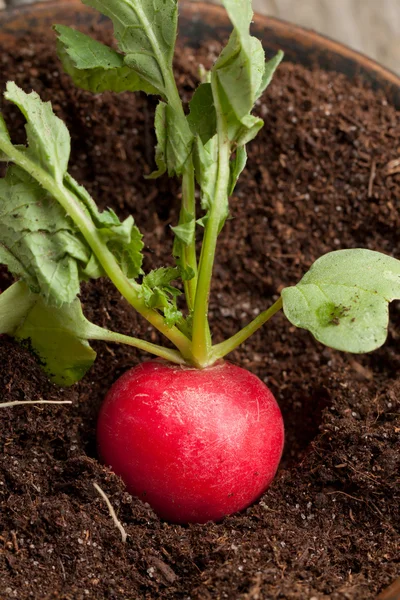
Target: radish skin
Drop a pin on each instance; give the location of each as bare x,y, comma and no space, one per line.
195,444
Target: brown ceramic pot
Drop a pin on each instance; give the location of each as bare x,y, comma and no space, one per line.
200,21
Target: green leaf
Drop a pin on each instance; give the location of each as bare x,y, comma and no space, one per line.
160,124
96,67
93,270
237,165
203,220
161,277
145,31
3,129
125,242
202,118
343,299
172,315
38,241
240,75
184,236
174,142
85,52
158,293
105,218
123,239
206,169
179,143
240,69
48,138
15,304
185,232
5,136
248,130
58,337
270,68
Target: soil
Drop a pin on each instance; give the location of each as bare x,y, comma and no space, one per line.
321,176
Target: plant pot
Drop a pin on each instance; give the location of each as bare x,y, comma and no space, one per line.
326,528
200,22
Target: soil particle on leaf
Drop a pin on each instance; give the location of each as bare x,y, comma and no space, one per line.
321,176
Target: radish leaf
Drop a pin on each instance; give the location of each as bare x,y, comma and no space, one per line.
145,31
343,299
237,166
185,232
48,138
15,304
158,292
206,165
57,336
240,74
174,143
96,67
160,124
5,135
202,118
125,242
269,71
38,242
123,239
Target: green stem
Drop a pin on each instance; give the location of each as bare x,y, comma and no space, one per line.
188,184
127,288
98,333
221,350
189,251
201,343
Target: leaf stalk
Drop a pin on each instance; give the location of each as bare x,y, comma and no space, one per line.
221,350
98,333
126,287
201,342
189,207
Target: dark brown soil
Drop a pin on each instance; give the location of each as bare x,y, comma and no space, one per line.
321,176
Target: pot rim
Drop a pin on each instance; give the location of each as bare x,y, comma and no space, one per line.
283,30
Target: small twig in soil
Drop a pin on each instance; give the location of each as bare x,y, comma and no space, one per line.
348,495
168,574
367,502
372,178
15,542
18,402
62,569
114,517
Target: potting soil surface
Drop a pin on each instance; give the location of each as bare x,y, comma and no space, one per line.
322,175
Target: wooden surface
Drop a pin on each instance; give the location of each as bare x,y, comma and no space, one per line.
369,26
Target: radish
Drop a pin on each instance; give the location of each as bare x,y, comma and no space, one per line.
195,444
196,437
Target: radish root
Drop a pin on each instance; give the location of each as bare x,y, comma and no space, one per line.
18,402
114,517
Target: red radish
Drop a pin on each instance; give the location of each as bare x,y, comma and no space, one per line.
195,444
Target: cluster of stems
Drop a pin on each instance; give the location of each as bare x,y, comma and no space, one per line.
197,350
